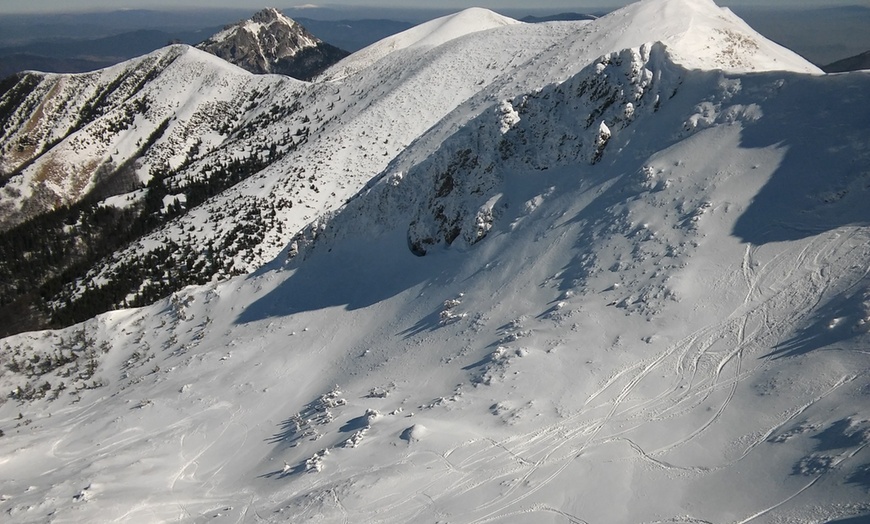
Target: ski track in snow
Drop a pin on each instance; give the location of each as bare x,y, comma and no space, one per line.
582,430
709,362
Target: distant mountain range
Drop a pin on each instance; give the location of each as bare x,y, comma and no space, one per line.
853,63
78,55
561,16
269,42
65,43
66,54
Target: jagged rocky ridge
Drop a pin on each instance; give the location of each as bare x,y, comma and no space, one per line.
269,42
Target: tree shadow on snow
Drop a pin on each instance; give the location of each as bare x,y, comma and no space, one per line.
837,321
354,424
840,435
823,182
485,361
290,432
284,472
430,322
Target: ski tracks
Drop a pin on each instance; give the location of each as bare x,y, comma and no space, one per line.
676,383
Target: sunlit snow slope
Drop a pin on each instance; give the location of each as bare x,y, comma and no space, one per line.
639,294
423,36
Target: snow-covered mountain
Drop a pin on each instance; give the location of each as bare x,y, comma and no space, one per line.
422,37
621,281
88,160
269,42
65,134
331,137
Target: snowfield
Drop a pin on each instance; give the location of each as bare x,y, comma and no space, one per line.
638,292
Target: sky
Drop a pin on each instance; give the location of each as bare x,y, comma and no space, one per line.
17,6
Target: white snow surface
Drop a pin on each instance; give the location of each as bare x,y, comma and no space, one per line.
426,35
699,35
645,297
357,126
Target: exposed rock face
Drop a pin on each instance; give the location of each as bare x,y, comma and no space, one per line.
272,43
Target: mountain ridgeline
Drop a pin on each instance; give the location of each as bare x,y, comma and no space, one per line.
70,142
123,185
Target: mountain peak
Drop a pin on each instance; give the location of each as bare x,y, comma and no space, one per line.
701,35
426,35
270,42
271,15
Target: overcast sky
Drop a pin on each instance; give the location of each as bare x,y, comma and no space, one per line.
19,6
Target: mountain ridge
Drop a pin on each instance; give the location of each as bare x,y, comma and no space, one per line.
267,215
429,34
852,63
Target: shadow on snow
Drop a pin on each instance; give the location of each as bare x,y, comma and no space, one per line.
356,274
823,182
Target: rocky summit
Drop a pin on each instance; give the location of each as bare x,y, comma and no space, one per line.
270,42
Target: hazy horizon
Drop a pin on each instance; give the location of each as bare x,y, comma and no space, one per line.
63,7
828,32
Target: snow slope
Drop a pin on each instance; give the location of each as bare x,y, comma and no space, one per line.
629,296
426,35
353,130
699,35
318,144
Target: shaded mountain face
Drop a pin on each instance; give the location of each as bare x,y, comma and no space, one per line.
853,63
270,42
609,271
558,17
